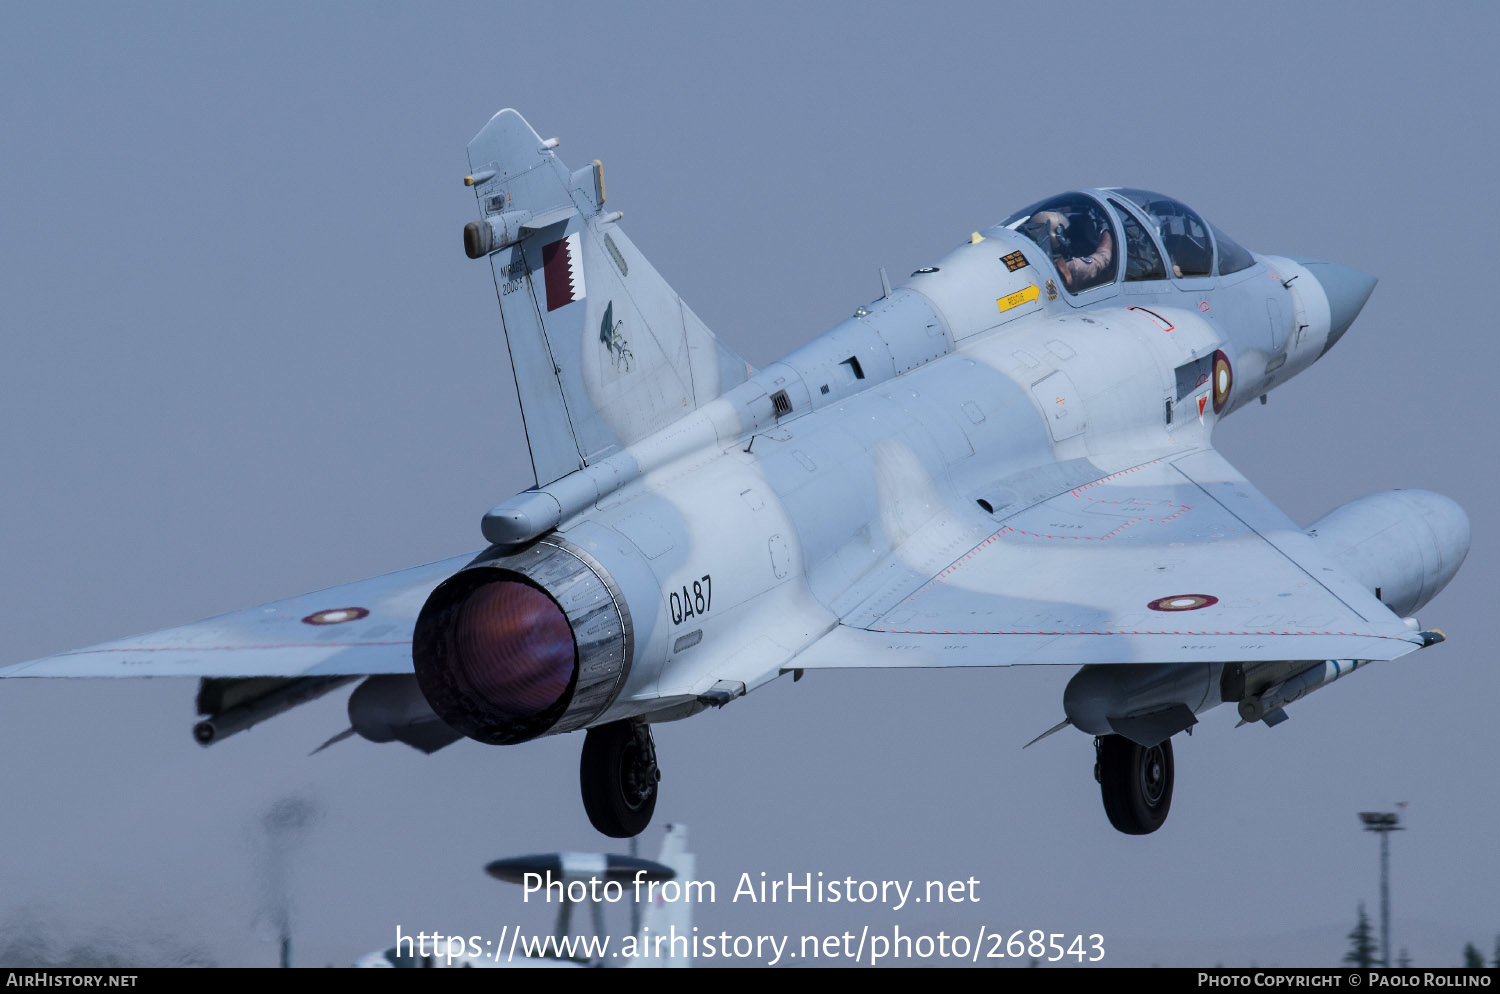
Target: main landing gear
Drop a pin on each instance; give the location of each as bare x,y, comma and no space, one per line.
1136,782
618,774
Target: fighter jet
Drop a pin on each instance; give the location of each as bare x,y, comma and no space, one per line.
1007,459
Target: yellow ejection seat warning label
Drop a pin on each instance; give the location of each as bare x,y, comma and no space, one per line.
1018,298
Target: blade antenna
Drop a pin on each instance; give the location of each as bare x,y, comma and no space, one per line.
1055,728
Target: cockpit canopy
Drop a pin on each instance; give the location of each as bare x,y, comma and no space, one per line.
1162,238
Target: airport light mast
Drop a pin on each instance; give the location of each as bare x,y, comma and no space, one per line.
1383,823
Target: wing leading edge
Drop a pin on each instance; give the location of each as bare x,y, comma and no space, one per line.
1178,559
356,629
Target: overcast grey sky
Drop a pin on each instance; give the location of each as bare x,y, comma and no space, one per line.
245,357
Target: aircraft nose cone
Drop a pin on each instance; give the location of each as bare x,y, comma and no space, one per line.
1347,290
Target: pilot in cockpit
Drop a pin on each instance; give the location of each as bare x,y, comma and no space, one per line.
1083,258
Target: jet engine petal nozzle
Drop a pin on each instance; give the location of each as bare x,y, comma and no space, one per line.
518,645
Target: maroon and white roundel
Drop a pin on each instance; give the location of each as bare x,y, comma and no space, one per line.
1183,602
1223,381
336,616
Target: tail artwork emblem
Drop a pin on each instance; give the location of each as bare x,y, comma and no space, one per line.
562,262
610,334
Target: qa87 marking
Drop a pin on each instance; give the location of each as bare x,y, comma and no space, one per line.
691,601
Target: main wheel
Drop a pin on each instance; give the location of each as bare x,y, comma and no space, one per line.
618,775
1136,782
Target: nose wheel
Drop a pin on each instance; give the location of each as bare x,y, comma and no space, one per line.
1135,782
618,775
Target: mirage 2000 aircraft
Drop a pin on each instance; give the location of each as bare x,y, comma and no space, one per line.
1005,460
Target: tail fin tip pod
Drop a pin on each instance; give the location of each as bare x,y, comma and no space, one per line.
603,351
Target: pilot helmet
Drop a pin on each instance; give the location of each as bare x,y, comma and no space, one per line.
1056,227
1082,235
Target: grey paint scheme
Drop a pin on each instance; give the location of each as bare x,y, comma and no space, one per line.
579,406
848,532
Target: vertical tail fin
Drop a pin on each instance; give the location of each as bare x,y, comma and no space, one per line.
604,352
666,921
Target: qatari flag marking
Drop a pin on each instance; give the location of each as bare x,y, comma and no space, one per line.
562,263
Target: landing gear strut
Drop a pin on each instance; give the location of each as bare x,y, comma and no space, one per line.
618,774
1136,782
